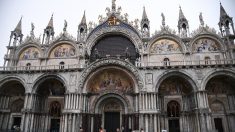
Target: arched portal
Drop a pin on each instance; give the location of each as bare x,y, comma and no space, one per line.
111,110
176,97
221,97
12,96
49,96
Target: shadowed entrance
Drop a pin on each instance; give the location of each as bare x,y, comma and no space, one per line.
112,121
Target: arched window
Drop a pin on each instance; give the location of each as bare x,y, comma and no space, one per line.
166,61
61,65
55,109
173,109
207,60
28,65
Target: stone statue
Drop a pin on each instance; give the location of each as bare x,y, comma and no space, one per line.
65,26
32,30
126,17
107,11
201,19
113,6
119,9
97,55
163,19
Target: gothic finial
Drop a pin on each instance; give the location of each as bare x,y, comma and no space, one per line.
163,19
181,14
222,11
84,18
144,16
18,28
50,24
201,19
65,26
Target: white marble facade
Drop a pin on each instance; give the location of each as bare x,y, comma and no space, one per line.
159,82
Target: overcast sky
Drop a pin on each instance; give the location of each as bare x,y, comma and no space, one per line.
39,12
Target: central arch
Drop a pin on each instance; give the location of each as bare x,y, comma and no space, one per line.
110,110
130,69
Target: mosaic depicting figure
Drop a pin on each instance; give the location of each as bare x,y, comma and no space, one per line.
29,53
165,46
111,79
174,86
63,51
205,45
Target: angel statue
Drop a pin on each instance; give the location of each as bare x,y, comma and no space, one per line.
201,19
65,26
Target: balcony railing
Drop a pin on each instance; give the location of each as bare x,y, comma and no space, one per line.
186,63
137,64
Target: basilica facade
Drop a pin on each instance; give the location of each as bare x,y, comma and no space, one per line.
115,75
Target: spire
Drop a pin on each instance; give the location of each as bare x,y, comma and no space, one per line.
48,32
145,26
225,22
18,27
222,11
181,14
183,26
82,29
84,18
50,24
144,16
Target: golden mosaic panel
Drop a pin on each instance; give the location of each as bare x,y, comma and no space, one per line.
165,46
205,45
110,79
63,51
29,53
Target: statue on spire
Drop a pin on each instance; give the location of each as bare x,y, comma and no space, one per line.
163,20
113,5
201,19
65,26
32,30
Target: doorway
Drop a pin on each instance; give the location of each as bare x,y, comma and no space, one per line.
174,125
55,125
16,123
111,121
218,124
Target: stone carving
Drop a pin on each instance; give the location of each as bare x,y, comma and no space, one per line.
63,50
148,78
165,46
73,79
205,45
165,30
204,30
30,53
217,106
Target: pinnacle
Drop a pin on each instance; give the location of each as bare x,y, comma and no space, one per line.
18,28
